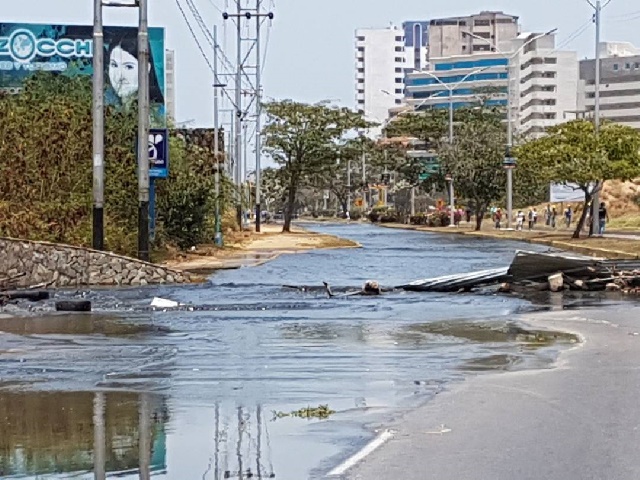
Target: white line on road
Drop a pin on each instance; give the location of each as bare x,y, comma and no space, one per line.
351,462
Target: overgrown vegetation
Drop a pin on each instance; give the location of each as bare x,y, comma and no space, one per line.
46,171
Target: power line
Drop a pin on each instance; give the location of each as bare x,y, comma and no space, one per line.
202,52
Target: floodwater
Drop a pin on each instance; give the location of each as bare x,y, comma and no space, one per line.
200,392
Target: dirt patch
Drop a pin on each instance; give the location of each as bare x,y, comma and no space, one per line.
251,248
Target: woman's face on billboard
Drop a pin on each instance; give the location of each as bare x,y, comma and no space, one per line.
123,72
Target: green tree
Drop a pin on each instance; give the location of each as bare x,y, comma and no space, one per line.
301,138
572,153
475,157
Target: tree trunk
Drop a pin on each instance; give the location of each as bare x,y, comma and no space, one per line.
583,217
479,216
291,200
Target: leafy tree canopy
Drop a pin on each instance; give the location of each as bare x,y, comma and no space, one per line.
302,138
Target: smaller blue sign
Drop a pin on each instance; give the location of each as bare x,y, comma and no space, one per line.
158,153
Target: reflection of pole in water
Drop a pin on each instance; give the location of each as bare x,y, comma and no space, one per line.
259,440
216,474
99,442
144,441
239,448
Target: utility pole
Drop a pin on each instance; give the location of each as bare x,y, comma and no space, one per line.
365,186
243,68
595,204
216,140
258,114
143,131
98,127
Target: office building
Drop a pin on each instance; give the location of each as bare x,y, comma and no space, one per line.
380,63
416,44
450,36
542,82
170,79
619,84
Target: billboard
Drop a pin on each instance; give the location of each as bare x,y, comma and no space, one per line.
68,50
560,192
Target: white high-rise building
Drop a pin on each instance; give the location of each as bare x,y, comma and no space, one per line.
380,64
546,81
170,85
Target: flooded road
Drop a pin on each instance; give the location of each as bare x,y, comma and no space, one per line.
196,393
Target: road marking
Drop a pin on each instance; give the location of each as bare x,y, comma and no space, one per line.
351,462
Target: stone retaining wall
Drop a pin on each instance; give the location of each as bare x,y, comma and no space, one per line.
68,266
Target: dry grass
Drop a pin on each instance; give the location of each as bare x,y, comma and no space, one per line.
626,222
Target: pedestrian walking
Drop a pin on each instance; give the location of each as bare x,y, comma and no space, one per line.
531,218
603,215
568,216
519,220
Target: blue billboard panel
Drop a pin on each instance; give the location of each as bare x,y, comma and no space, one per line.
68,50
158,153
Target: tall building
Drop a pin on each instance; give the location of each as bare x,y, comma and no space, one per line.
416,44
449,36
461,80
380,64
619,84
170,90
542,82
546,84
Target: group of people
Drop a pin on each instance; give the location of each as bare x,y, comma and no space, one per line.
551,217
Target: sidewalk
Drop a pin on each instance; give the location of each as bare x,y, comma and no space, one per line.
613,245
578,421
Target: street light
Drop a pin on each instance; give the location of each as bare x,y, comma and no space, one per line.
509,58
449,178
451,90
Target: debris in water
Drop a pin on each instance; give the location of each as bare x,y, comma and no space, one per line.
321,412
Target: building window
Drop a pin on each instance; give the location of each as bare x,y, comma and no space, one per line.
481,48
399,49
399,59
550,60
398,70
361,70
361,91
361,49
360,101
637,65
484,34
627,66
482,23
361,80
360,39
615,67
399,39
399,80
398,101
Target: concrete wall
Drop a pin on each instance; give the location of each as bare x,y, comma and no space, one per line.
68,266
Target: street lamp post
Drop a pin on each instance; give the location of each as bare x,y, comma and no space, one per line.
449,178
508,156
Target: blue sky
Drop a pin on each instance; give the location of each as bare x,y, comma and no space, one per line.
310,53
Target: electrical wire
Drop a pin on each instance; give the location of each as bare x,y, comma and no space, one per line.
577,33
204,55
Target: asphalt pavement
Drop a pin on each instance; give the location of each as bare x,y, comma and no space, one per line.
579,420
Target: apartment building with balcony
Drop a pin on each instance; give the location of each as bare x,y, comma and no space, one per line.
546,83
380,66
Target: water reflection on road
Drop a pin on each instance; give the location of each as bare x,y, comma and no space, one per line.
191,394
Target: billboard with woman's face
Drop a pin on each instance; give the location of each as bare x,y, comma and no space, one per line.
68,50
